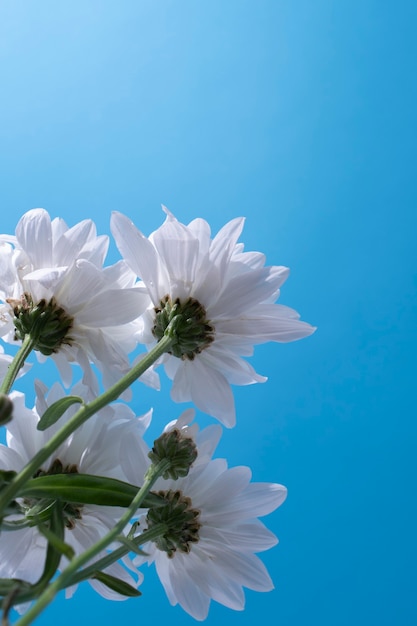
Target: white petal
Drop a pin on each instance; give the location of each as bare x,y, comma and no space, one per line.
139,253
113,307
224,491
191,598
211,393
250,536
245,569
179,250
224,242
34,235
260,499
236,370
241,293
207,388
181,388
71,242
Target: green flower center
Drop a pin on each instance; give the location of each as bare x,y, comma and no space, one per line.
193,331
182,521
46,322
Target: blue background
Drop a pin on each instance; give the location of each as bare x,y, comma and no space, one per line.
301,116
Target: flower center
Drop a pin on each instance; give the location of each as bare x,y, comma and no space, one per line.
46,322
39,509
182,521
193,331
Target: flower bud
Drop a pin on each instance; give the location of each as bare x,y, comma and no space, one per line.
6,409
181,452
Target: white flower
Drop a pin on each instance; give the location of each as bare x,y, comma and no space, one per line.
233,292
213,555
97,448
51,263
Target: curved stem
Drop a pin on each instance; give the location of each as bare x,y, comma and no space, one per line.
17,363
82,415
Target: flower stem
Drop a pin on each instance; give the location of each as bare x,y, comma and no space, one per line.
110,558
66,577
17,363
82,415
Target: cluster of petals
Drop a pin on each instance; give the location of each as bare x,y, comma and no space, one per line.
46,259
236,290
97,448
223,560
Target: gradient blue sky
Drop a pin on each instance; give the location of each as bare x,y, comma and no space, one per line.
301,116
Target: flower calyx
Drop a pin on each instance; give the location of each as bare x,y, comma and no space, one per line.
181,452
186,321
46,322
181,519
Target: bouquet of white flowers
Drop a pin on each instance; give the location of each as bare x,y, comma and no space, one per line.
82,497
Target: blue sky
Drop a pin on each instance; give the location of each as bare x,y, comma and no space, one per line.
300,116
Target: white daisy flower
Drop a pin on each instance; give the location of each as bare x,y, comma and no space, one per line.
57,271
96,448
227,296
209,549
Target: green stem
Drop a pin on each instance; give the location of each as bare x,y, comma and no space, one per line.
110,558
12,489
66,577
17,363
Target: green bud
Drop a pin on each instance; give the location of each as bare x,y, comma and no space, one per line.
179,450
6,409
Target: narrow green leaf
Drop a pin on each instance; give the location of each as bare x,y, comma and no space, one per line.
60,546
57,410
117,585
56,545
86,489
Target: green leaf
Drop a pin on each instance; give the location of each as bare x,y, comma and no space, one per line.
86,489
7,585
56,545
57,410
117,585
